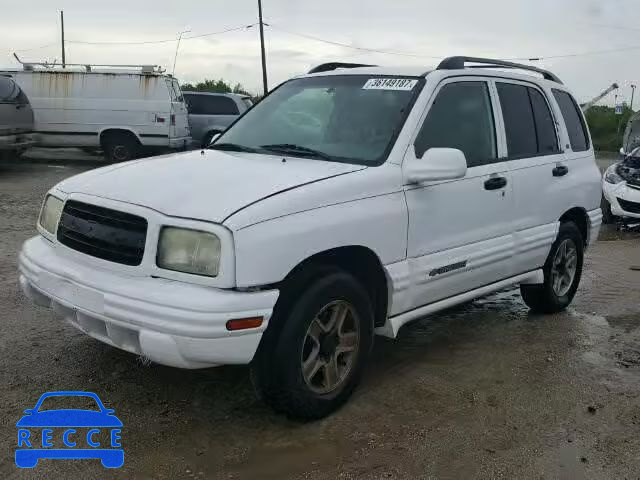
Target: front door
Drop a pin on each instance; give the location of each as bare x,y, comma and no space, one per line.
460,231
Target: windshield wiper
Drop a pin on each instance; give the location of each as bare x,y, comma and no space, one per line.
289,148
232,147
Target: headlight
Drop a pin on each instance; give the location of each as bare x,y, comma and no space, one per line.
50,214
611,176
189,251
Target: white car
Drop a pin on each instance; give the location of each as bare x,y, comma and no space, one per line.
347,203
621,189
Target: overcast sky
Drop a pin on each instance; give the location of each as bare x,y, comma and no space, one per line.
496,28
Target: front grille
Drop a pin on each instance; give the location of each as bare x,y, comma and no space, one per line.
627,206
103,233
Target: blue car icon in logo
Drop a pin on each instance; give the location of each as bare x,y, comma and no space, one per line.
69,433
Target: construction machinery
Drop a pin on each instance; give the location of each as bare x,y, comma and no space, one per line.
593,101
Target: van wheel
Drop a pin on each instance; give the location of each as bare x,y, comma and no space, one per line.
120,147
562,273
315,355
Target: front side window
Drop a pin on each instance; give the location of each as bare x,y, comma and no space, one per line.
343,118
461,117
573,120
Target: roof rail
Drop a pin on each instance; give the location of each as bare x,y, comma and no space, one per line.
143,68
457,63
327,67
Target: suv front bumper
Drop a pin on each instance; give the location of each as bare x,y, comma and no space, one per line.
172,323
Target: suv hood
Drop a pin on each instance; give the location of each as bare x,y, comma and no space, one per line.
210,185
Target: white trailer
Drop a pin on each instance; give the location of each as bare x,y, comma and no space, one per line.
124,110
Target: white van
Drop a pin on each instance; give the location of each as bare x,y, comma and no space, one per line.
122,110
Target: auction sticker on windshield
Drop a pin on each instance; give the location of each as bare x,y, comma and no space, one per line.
390,84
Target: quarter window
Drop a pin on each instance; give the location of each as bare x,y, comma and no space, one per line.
574,121
461,117
211,105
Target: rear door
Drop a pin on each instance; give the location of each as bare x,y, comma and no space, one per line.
538,167
460,231
179,121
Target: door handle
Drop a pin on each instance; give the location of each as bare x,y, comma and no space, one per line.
560,171
495,183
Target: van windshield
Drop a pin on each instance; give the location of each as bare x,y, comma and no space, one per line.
342,118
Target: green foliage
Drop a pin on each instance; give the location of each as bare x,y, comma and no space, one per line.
606,127
216,86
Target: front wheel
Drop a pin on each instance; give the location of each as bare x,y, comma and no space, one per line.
562,273
316,355
607,215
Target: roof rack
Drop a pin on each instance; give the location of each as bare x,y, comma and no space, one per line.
457,63
327,67
28,66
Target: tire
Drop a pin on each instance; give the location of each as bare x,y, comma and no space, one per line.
120,147
607,216
547,297
300,319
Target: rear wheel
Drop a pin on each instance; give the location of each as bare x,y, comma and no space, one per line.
562,273
315,355
120,147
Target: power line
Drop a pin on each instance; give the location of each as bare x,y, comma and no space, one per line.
581,54
36,48
82,42
346,45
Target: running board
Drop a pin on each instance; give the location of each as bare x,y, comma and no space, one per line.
393,324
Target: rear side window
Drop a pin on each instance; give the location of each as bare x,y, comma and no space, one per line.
211,105
529,126
573,120
519,123
461,117
545,126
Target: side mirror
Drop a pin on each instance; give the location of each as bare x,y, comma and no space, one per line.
436,164
29,411
109,411
214,138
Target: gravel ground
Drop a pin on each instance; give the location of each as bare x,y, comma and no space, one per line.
486,390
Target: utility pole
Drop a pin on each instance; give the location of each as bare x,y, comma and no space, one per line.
633,91
264,60
62,30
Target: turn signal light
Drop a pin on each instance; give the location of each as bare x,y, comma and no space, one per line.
244,323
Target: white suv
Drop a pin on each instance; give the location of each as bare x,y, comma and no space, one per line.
347,203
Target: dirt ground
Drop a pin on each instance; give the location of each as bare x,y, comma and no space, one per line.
486,390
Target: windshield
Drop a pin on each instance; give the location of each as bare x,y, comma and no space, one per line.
343,118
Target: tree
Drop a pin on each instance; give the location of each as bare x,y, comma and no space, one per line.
216,86
606,127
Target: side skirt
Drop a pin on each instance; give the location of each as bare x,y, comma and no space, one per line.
393,324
